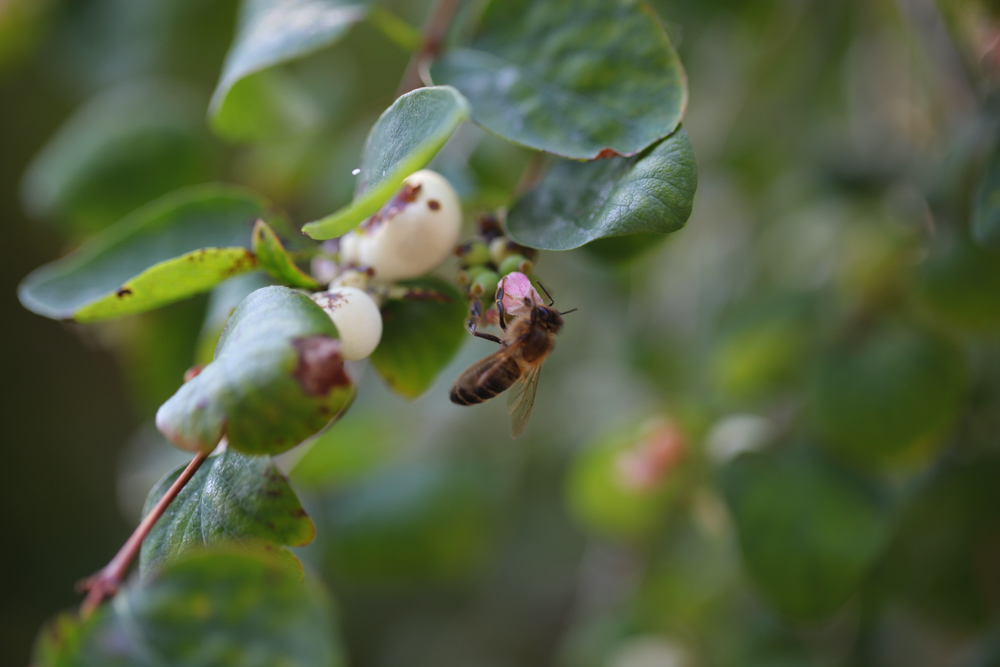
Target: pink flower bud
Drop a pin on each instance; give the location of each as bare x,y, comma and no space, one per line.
516,286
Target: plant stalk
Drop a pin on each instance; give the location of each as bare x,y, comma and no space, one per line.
105,583
434,31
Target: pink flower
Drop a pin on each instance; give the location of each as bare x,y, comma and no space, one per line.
516,286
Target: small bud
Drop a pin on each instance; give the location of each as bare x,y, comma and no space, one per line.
516,287
485,283
357,318
518,263
499,250
473,253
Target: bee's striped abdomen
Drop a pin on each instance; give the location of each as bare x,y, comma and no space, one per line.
485,380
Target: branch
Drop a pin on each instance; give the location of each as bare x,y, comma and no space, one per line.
434,31
105,583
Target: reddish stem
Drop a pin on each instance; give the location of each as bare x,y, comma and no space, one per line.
434,31
105,583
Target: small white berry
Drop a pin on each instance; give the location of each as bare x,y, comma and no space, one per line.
357,318
413,233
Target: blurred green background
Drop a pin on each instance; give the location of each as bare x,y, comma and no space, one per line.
772,438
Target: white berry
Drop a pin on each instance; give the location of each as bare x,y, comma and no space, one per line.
357,318
412,234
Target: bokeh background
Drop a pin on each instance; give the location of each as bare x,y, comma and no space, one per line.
772,438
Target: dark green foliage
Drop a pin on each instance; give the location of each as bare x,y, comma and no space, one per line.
888,396
212,609
583,79
815,346
277,378
233,498
420,336
580,202
807,534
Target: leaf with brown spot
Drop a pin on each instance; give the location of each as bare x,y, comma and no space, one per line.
175,247
277,379
232,498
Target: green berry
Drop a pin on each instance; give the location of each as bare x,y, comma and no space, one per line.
485,284
516,263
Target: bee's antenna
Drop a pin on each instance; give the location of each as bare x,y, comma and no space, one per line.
547,295
571,310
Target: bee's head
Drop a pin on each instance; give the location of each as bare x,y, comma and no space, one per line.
547,317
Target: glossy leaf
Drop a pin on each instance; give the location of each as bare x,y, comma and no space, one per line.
216,609
179,245
222,302
232,498
576,203
420,336
403,140
806,534
578,78
428,521
986,209
277,379
275,260
118,152
251,102
888,397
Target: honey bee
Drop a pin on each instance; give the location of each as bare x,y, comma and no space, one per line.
527,341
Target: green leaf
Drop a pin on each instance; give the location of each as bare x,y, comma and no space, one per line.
232,498
221,303
275,260
578,78
420,336
807,535
421,522
119,151
277,379
944,555
576,203
250,102
960,283
888,397
403,140
179,245
986,208
218,609
263,106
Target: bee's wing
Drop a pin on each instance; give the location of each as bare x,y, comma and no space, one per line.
520,400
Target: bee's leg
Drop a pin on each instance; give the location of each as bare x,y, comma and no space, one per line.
547,295
475,313
500,310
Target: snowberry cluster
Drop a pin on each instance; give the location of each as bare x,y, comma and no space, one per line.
410,236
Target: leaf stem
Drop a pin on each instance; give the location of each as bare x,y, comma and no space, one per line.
395,29
434,31
105,583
